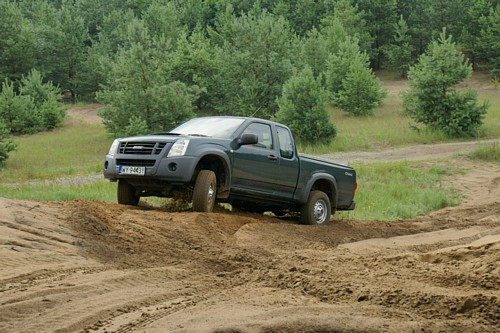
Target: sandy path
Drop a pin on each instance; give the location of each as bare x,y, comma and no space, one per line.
91,266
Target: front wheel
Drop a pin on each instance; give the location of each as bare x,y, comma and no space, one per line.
317,210
205,191
126,194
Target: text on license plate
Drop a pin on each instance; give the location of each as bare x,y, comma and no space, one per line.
130,170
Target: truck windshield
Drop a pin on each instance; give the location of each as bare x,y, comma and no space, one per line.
218,127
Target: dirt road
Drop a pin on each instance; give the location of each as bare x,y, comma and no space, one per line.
91,266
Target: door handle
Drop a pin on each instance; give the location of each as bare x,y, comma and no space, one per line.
272,157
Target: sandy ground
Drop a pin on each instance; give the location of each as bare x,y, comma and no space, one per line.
91,266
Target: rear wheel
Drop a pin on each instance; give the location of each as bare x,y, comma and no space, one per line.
205,191
317,210
126,194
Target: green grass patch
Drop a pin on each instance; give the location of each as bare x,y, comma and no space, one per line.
76,149
487,152
391,191
101,190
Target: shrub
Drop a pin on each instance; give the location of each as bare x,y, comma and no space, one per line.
361,91
36,108
6,144
433,100
302,107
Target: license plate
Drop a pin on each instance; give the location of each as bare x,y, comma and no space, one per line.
130,170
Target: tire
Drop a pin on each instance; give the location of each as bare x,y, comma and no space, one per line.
126,194
205,191
317,210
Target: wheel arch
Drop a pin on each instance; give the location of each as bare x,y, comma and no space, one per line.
322,182
218,162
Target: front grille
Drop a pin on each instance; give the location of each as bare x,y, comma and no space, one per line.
141,148
144,163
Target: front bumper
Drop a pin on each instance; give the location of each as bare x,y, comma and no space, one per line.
174,170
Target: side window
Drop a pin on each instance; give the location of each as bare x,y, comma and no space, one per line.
263,132
286,143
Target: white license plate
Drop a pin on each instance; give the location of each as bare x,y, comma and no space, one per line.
130,170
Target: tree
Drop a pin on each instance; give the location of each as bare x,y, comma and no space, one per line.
138,88
399,52
253,55
302,107
17,42
433,100
380,15
361,91
351,83
6,143
489,42
352,20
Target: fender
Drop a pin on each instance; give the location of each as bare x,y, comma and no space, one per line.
201,153
319,176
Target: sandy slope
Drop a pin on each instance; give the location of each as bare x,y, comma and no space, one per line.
91,266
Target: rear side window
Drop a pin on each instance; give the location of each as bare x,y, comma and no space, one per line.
263,132
285,141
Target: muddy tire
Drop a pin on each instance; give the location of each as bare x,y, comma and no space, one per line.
317,210
126,194
205,191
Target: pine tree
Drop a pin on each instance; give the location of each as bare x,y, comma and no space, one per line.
6,143
139,85
399,52
433,100
302,107
489,40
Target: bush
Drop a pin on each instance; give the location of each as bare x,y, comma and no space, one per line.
433,100
302,107
352,85
361,91
36,108
6,144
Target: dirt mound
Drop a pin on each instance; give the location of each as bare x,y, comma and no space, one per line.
102,267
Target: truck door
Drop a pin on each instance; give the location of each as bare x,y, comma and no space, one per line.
255,167
286,178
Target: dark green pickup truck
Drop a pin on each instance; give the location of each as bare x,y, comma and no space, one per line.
248,162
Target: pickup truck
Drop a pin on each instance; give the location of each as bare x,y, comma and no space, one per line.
250,163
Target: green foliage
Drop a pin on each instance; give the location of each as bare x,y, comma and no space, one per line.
433,100
303,108
399,52
36,108
138,85
351,83
6,144
489,41
252,54
16,42
361,91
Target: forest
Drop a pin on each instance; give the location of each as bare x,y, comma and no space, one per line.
156,63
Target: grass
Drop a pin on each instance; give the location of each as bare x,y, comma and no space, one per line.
101,190
390,191
490,153
76,149
389,127
386,191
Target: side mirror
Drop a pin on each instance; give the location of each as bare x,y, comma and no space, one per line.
247,139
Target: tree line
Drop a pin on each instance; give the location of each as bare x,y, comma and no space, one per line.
155,63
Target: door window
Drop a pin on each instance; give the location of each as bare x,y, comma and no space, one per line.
286,143
263,132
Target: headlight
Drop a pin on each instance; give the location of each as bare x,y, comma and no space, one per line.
114,147
178,148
